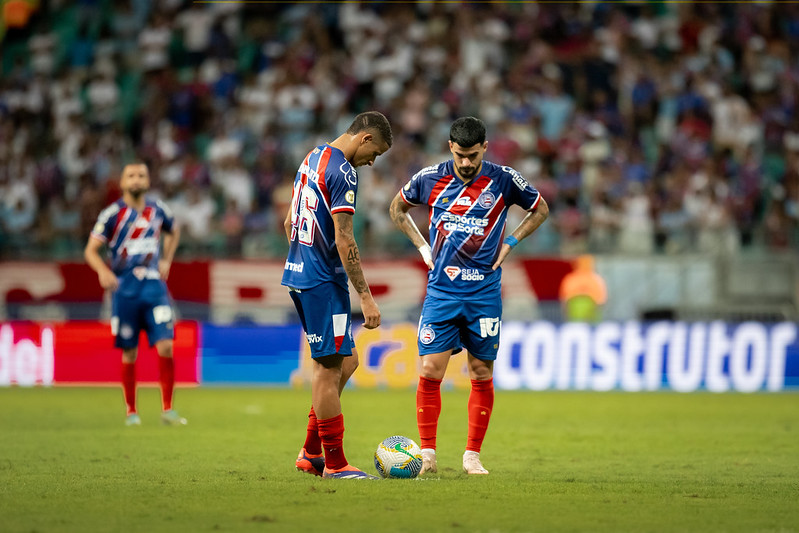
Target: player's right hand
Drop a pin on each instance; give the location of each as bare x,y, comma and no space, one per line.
108,280
371,313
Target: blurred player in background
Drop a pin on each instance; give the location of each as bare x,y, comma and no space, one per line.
468,199
322,255
131,228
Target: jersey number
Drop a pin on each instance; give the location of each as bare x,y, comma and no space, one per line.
304,203
162,314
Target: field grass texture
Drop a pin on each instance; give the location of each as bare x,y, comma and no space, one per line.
559,461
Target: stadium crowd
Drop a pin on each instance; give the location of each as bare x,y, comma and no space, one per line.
648,127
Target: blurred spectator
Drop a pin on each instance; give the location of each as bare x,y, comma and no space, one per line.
664,128
195,212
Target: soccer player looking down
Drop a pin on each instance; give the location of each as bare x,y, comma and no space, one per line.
131,229
322,256
468,199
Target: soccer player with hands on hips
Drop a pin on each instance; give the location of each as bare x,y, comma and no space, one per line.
131,228
468,199
322,257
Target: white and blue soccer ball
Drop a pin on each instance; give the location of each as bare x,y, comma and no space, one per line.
398,457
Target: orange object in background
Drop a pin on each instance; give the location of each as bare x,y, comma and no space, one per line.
583,292
17,13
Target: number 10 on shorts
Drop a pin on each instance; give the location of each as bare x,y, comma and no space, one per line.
489,327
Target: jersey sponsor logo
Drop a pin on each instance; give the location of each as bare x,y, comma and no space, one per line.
471,274
520,182
452,272
489,327
349,173
142,272
427,335
465,224
142,246
294,267
426,170
464,200
486,200
313,338
350,196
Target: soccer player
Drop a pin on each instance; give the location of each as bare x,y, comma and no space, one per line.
322,255
131,228
468,199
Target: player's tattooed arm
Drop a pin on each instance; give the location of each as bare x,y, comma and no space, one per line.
351,259
349,253
528,225
399,214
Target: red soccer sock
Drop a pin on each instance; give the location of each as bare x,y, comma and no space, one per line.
166,367
428,408
313,442
481,402
331,431
129,386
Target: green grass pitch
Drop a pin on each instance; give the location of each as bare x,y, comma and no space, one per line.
559,461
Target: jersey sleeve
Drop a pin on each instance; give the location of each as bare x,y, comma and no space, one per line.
106,221
412,192
343,188
521,193
167,215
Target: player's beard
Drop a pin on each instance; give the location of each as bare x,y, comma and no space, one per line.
137,193
467,173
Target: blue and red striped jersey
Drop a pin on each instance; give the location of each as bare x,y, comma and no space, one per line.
326,183
133,238
467,222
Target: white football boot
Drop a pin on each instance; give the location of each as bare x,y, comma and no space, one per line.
428,462
472,464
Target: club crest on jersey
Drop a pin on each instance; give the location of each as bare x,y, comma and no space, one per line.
427,335
486,200
452,272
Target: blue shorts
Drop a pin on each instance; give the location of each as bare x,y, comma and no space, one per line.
326,318
149,310
448,324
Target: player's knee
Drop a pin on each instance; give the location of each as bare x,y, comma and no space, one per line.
129,355
164,348
431,370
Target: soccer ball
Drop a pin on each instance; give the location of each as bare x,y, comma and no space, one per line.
398,457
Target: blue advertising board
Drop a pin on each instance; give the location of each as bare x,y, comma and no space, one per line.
249,355
628,356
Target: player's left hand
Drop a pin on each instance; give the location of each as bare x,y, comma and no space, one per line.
163,268
371,313
503,253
